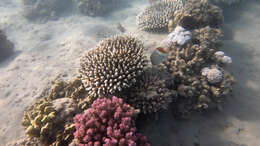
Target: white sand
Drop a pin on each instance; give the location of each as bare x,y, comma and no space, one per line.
45,51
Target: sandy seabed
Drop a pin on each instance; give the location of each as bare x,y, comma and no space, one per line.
52,50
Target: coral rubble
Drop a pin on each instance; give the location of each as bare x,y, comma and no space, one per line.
112,65
6,47
156,16
108,122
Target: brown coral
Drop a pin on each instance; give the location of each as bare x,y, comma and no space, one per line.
151,95
156,16
46,120
188,59
197,14
113,65
207,36
73,89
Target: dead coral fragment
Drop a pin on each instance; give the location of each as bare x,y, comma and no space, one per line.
197,14
112,65
156,16
150,95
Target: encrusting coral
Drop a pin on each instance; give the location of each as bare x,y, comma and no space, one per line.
98,7
156,17
151,95
6,47
197,14
108,122
113,65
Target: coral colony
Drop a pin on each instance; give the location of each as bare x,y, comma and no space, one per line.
99,106
108,123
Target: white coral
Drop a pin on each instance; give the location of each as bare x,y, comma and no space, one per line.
221,57
180,36
214,76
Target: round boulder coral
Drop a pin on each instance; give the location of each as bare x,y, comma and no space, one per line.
108,122
113,65
156,16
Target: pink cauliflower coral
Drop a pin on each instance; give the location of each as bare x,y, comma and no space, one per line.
108,123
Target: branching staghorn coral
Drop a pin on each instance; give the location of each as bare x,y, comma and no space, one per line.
113,65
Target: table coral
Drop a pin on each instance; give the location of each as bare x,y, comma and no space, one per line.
108,122
113,65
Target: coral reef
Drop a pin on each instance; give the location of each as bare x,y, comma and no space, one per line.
151,95
197,14
46,120
98,7
113,65
45,9
199,81
25,142
179,36
6,47
188,59
73,89
156,16
108,122
207,36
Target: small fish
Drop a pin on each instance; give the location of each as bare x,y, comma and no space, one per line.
159,55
